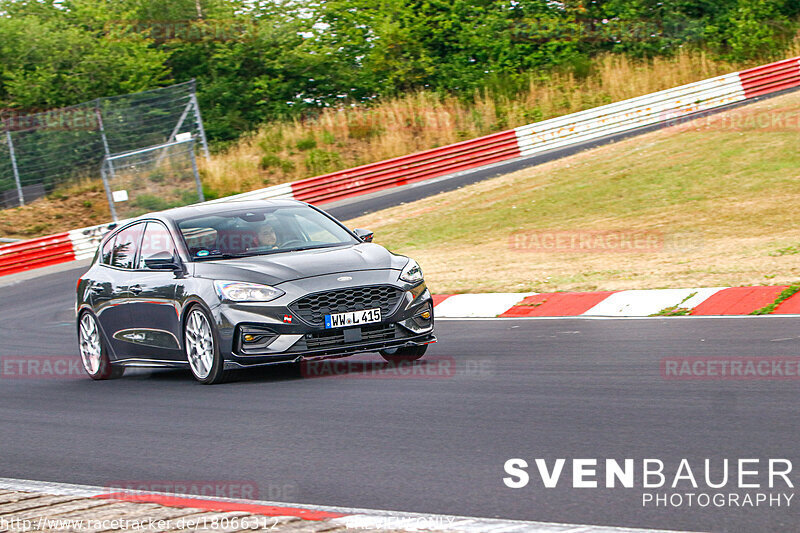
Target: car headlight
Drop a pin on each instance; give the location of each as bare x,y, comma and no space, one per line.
412,272
238,291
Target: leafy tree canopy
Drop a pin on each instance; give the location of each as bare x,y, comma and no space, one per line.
257,60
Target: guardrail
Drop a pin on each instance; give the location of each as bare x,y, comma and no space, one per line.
36,253
568,130
408,169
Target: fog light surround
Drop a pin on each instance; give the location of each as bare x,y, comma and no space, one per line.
254,339
422,321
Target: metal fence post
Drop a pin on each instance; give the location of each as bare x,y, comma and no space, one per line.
108,191
14,167
200,194
176,129
102,128
202,130
106,183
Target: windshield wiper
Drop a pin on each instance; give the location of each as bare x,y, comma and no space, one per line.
213,255
219,255
314,246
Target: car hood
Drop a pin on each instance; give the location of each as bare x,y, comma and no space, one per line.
289,266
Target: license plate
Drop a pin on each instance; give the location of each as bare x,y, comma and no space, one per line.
356,318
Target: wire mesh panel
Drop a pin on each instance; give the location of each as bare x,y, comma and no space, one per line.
133,121
8,189
152,179
61,145
53,147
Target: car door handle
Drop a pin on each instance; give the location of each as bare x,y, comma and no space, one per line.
136,289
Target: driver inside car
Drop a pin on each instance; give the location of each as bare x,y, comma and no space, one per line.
266,237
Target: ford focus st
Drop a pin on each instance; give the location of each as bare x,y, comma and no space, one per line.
226,286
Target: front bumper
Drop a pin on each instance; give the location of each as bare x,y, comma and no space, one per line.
281,339
330,353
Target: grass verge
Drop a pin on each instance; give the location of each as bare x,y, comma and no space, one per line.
719,195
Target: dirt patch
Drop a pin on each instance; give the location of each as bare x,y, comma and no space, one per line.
66,210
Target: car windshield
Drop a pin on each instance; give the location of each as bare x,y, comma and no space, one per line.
261,231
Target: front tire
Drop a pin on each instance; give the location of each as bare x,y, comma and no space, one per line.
405,354
201,347
94,352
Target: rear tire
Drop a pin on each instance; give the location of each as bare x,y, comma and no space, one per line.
201,347
94,352
405,354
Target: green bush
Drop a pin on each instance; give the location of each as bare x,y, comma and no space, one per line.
360,131
209,193
307,143
272,140
151,202
158,176
328,137
321,161
273,161
189,197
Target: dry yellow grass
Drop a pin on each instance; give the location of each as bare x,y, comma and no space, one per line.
76,206
721,194
351,136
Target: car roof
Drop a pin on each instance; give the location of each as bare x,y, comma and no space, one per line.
190,211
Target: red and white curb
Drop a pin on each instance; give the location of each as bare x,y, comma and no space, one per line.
351,518
714,301
477,305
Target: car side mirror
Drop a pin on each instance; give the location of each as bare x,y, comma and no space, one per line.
364,234
162,261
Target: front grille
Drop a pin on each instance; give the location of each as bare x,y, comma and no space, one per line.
314,307
334,338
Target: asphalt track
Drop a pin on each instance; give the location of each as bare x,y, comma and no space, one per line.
522,388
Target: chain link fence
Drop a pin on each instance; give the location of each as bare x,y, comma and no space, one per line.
41,151
152,179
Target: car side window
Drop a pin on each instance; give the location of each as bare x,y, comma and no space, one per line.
156,240
126,245
108,251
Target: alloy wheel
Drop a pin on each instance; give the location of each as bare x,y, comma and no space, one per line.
199,344
91,348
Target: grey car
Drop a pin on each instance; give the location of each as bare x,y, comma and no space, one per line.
218,287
